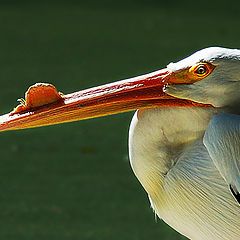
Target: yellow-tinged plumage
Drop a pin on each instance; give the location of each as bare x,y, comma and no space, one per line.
171,162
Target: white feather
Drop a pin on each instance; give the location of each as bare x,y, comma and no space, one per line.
186,189
222,140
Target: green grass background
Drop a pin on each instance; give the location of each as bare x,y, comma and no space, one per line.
74,181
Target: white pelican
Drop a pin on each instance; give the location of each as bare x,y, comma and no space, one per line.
184,139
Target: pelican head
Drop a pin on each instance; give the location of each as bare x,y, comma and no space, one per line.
209,77
219,67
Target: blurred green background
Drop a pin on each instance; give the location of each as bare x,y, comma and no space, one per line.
74,181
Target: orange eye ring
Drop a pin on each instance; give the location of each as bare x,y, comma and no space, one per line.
201,70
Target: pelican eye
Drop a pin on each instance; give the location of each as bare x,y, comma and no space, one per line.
201,70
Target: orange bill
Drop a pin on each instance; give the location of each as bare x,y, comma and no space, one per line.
43,105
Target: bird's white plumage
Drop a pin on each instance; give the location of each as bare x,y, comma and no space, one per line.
186,189
222,140
187,181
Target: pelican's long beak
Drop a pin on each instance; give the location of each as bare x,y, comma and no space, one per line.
45,106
